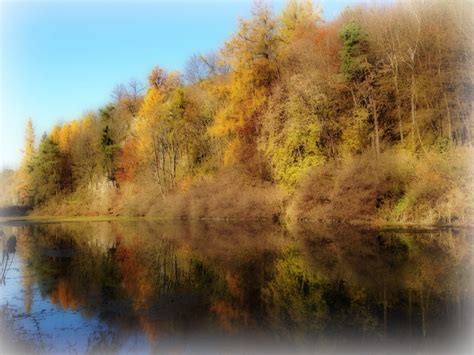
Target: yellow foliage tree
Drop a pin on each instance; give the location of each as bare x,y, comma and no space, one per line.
23,172
146,128
296,15
251,54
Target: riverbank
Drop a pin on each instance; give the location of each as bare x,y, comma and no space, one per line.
25,220
50,219
398,189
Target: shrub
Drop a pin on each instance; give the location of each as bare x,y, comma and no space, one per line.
227,195
399,187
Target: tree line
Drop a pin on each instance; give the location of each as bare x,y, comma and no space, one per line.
287,93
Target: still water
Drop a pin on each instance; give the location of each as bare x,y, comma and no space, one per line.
127,287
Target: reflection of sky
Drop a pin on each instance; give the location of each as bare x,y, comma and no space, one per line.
66,330
59,329
49,325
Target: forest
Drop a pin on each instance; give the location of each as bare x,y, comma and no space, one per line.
366,118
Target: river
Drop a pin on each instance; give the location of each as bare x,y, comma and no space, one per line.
143,286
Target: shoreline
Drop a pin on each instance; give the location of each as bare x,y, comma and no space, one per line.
106,218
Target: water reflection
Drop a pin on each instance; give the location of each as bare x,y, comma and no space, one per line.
8,252
142,286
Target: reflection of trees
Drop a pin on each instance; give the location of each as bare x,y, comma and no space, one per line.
8,246
173,279
440,271
27,274
378,279
162,279
308,301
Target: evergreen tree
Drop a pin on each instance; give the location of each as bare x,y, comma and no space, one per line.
45,171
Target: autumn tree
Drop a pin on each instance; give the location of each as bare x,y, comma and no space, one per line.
146,124
298,130
160,126
65,137
86,153
23,173
128,98
252,57
360,71
296,17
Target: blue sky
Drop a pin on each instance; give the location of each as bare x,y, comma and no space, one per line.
60,59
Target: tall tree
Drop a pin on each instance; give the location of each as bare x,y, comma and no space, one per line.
297,15
360,72
252,56
23,174
45,171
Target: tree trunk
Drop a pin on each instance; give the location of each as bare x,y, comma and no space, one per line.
156,161
376,128
163,165
415,130
412,110
173,174
397,94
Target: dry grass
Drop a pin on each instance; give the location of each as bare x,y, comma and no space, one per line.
227,195
396,188
83,202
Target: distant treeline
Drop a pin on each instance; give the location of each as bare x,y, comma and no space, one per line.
367,117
